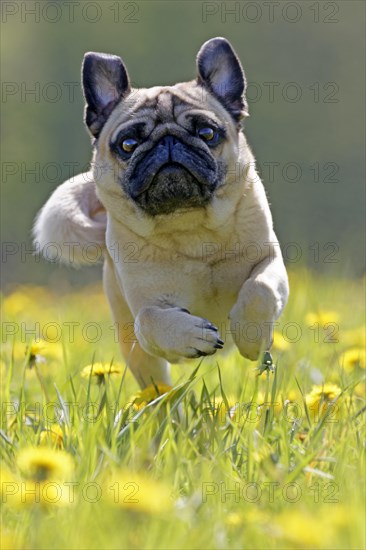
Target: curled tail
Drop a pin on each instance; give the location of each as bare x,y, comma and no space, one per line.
71,226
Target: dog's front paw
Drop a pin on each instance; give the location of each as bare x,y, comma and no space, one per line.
198,337
176,334
251,320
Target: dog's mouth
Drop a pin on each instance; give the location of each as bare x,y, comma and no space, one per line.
172,176
173,187
172,173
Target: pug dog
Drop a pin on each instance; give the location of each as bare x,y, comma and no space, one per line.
191,260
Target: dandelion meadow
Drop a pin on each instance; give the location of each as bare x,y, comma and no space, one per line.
234,455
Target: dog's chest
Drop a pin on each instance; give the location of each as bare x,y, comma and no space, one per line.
213,288
190,270
206,289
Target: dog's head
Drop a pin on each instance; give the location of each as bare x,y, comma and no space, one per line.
167,148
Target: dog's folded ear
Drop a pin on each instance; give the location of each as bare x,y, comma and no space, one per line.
220,71
105,82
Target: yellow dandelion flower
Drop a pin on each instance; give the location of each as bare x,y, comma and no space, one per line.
52,436
36,348
49,350
39,351
19,491
148,394
6,477
9,488
17,302
98,371
299,529
323,397
26,299
35,352
292,396
360,390
10,541
44,493
279,343
353,358
41,464
322,317
355,337
137,492
234,519
256,516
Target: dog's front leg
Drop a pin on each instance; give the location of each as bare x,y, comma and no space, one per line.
260,302
175,334
145,368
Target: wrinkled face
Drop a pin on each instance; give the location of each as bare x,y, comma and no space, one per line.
169,147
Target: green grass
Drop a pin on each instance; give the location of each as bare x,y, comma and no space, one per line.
227,459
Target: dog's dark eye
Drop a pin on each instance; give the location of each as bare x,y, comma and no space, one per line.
128,145
208,134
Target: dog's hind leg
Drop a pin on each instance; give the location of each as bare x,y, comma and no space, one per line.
145,367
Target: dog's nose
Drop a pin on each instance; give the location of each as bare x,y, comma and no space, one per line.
168,142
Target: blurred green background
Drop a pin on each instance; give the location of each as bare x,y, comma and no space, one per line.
304,63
